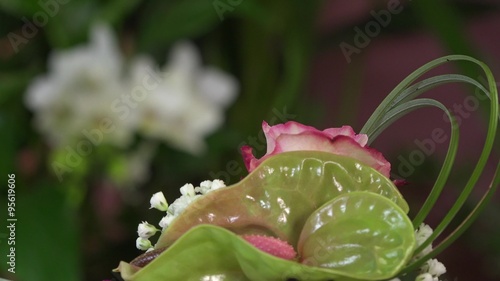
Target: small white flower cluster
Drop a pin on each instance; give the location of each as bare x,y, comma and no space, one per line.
158,201
145,231
432,269
423,232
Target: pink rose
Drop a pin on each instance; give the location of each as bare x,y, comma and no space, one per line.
293,136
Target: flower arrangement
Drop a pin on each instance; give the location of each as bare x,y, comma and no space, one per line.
319,205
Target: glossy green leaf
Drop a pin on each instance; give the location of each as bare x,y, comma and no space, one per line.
278,196
362,234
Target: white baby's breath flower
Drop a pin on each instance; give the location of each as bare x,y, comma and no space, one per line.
425,277
181,203
143,243
434,267
159,202
216,184
187,101
207,186
423,232
187,190
146,230
166,221
204,188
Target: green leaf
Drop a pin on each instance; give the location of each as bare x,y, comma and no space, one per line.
360,233
280,194
70,25
20,8
13,84
116,10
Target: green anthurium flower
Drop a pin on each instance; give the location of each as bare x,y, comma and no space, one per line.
345,219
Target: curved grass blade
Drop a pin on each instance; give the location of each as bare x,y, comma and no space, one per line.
393,95
397,105
478,169
444,173
396,94
463,226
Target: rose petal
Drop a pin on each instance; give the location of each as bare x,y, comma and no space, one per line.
293,136
249,158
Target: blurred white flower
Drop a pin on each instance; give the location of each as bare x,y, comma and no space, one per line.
188,102
85,95
73,101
